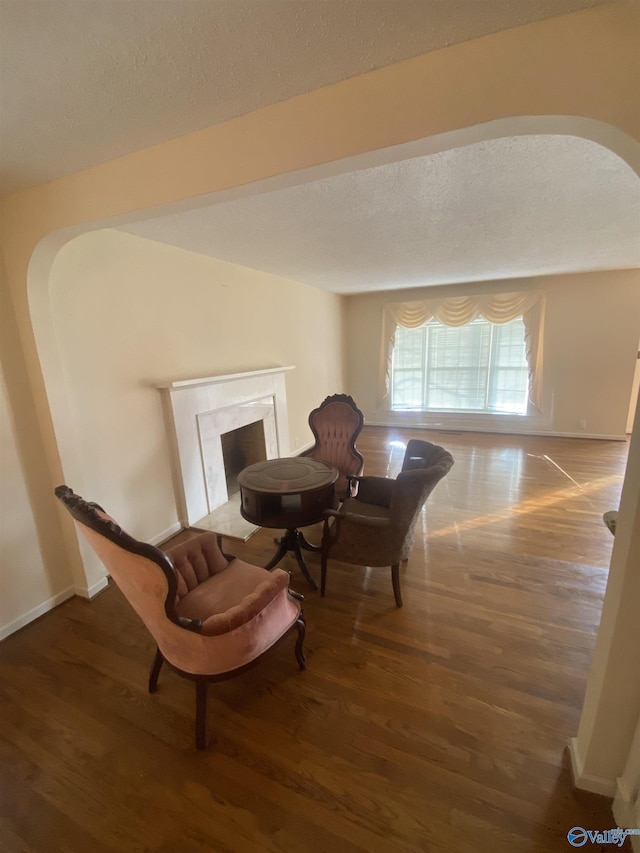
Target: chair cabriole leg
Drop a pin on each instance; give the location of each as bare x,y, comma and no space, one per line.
155,671
395,580
301,628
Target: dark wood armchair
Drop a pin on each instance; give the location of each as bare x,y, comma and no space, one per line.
211,617
336,424
377,527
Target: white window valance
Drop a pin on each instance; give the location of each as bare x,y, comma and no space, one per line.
459,310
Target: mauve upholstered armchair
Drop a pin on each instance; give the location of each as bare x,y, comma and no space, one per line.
211,617
336,424
377,528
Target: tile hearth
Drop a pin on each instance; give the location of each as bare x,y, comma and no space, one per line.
226,521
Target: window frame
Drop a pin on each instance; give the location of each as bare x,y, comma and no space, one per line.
493,368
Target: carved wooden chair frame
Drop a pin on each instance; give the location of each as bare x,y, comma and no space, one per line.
87,513
337,398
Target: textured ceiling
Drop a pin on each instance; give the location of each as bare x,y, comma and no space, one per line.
84,81
520,206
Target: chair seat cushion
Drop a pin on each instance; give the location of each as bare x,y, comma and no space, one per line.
358,507
376,490
232,597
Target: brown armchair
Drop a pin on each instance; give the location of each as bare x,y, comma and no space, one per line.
336,424
377,527
211,617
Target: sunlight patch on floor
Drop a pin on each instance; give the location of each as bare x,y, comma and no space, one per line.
526,507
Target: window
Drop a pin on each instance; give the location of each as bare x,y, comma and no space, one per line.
478,367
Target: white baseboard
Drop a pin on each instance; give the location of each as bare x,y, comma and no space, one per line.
625,812
83,591
623,805
300,450
91,591
508,431
97,587
35,612
166,534
584,781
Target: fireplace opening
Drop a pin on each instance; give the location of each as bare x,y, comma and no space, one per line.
242,447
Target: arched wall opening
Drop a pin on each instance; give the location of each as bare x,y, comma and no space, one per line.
88,575
583,64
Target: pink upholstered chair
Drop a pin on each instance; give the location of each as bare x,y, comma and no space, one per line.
336,424
377,528
211,617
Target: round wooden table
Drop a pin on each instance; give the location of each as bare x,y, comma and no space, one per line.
288,493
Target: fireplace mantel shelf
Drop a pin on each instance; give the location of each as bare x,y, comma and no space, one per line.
215,380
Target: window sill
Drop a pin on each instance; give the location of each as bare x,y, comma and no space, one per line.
458,412
455,420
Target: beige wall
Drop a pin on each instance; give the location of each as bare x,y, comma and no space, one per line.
130,312
28,587
590,344
34,572
635,393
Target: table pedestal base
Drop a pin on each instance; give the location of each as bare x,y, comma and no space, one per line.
293,540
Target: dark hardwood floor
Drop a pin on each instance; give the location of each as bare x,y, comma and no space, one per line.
438,727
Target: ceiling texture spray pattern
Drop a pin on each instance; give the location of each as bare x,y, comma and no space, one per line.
513,207
86,81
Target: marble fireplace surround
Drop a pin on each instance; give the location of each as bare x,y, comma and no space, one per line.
199,411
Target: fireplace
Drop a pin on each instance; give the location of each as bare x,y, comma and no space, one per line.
241,447
200,412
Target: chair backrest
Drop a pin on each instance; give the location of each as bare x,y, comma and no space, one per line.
143,573
420,454
336,424
412,488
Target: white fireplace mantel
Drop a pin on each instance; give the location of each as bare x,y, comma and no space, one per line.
217,380
198,411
